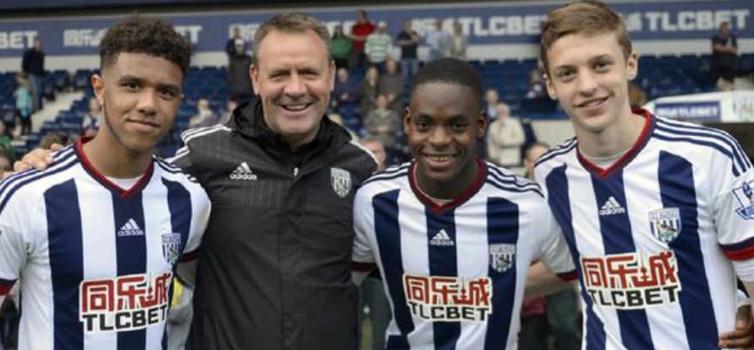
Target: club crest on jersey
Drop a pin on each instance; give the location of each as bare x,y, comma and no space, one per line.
171,247
745,197
341,181
665,224
502,256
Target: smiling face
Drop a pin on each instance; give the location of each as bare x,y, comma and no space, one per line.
589,75
293,77
442,125
140,95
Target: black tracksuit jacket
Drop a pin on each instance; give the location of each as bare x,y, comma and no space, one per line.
274,265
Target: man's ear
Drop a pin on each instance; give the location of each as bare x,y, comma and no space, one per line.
550,87
254,74
482,120
333,73
407,120
98,85
632,66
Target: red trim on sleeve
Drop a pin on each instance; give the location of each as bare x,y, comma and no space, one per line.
568,276
740,254
5,288
189,256
363,267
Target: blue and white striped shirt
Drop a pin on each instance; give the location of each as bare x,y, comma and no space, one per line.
454,273
655,234
95,262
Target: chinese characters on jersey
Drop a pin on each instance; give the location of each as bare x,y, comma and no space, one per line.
446,298
632,280
124,303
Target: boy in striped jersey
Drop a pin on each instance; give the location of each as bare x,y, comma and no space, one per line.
655,212
452,235
94,239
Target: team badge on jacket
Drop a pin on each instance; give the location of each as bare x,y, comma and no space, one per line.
502,256
171,247
341,181
665,224
745,197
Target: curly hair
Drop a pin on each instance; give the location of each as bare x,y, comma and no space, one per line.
149,35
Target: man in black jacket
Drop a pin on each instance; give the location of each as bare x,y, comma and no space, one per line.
274,266
33,64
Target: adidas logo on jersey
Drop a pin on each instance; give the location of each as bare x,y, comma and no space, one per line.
243,172
130,228
612,207
441,239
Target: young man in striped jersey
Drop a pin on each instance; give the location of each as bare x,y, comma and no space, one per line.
452,235
94,239
654,211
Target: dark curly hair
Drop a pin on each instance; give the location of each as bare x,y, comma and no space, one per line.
149,35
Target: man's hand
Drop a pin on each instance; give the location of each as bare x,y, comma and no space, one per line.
743,336
38,158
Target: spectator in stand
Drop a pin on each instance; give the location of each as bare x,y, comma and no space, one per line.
561,308
230,45
374,145
338,119
54,138
90,121
24,103
408,40
491,99
504,138
340,47
391,85
239,79
378,46
536,85
5,141
33,64
370,88
6,164
382,122
345,92
438,41
724,57
359,33
204,115
227,112
459,42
